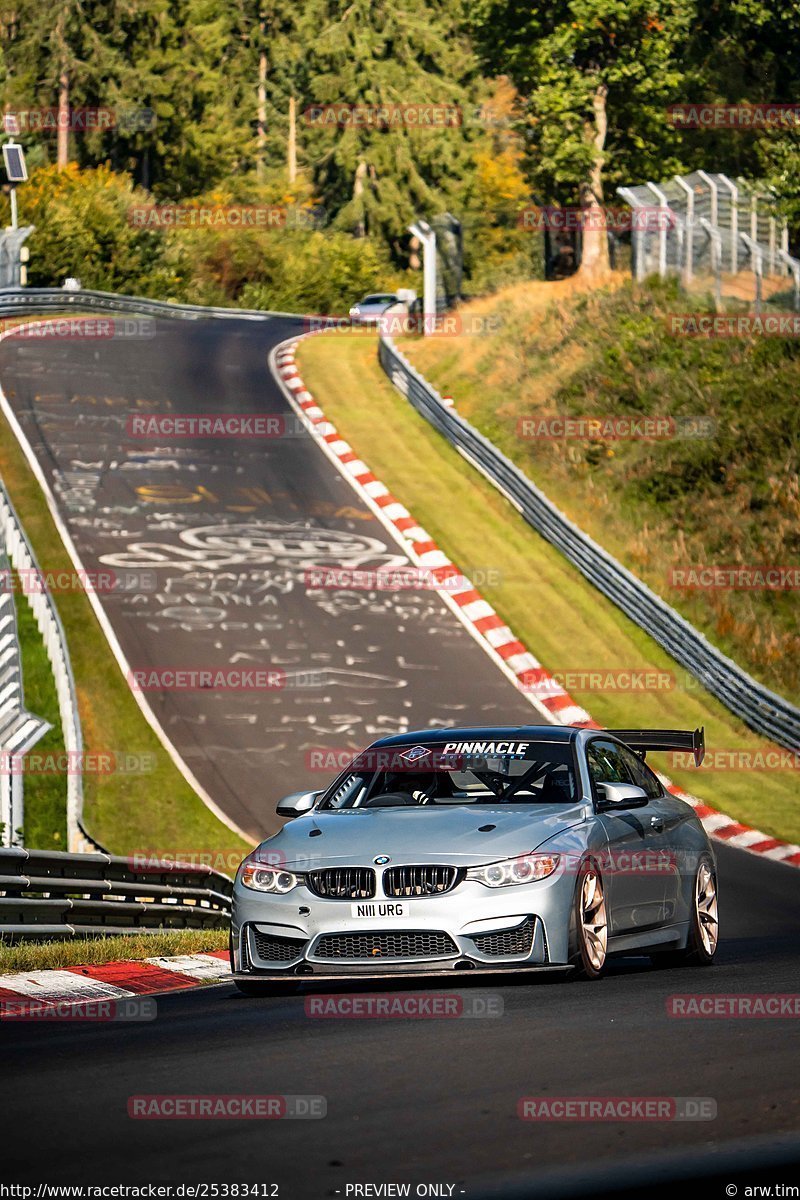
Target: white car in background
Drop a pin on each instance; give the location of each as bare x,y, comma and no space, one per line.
369,309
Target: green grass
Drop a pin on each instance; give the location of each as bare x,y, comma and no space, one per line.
565,622
127,813
79,952
729,498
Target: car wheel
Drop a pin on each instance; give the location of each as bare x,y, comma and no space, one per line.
701,944
589,925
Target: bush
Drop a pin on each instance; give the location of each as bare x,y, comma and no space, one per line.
83,229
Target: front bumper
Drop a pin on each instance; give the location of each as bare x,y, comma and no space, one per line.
472,927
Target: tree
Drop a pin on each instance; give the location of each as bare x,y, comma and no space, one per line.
46,52
739,56
597,76
406,59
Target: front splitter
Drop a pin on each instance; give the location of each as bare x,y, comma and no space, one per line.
354,976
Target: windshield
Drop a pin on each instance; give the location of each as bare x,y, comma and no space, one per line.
418,776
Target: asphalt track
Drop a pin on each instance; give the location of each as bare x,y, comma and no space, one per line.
429,1100
418,1101
209,541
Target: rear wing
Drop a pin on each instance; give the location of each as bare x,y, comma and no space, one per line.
642,740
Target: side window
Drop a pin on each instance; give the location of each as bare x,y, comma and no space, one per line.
347,793
641,774
612,763
606,763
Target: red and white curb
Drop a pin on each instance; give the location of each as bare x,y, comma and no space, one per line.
112,981
533,680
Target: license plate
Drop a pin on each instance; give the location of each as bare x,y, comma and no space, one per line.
372,909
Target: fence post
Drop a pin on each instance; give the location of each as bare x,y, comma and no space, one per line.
637,232
716,260
689,241
662,232
757,260
734,222
714,196
772,245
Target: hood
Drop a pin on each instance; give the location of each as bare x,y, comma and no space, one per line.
461,835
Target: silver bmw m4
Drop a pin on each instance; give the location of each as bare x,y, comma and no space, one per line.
524,848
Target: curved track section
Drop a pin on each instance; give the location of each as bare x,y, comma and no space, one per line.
210,541
228,528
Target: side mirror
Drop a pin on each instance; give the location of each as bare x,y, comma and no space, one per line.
297,804
621,795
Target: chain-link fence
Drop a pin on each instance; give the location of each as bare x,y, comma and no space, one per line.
715,234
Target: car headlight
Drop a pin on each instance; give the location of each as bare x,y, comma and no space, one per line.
527,869
268,879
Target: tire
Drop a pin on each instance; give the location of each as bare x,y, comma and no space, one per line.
589,924
703,939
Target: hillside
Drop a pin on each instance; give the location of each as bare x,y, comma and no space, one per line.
719,488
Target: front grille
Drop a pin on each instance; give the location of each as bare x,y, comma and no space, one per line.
419,881
272,948
511,941
342,883
385,945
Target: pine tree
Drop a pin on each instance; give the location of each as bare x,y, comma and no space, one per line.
370,55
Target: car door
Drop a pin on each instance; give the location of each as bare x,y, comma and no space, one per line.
667,858
634,883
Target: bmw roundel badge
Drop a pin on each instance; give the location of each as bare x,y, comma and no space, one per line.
381,860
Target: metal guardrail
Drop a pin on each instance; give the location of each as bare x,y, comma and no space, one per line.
20,729
48,894
763,710
32,301
23,559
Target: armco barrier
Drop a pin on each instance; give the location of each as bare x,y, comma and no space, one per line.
47,894
22,558
763,710
33,301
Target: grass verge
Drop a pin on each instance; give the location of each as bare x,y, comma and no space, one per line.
81,952
566,623
720,487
